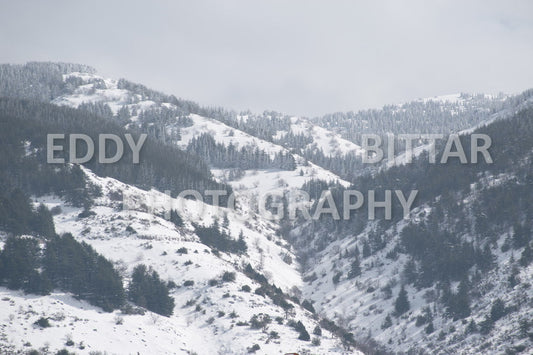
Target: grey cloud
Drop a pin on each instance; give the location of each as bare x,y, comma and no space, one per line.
299,57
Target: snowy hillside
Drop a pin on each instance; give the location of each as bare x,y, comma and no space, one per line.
455,277
207,307
330,143
223,134
87,92
96,89
363,303
461,260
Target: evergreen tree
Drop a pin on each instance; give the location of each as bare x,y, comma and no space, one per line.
409,271
513,279
366,249
356,252
38,284
147,290
459,304
446,292
75,267
20,260
176,218
485,258
472,327
16,214
429,328
241,243
43,222
497,310
521,236
464,299
387,322
526,257
402,305
355,269
213,237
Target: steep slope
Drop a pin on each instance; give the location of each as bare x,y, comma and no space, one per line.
235,299
210,308
166,119
463,257
442,114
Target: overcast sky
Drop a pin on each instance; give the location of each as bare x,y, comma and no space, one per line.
299,57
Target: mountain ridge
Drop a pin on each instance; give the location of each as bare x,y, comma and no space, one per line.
350,272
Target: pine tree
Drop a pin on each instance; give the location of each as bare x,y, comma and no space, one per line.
387,323
459,304
446,292
356,251
497,310
429,328
366,249
526,257
76,267
225,221
20,259
472,327
176,218
43,222
402,305
355,269
38,284
16,213
241,243
147,290
409,271
521,236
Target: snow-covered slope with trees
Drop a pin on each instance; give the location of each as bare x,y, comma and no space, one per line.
214,296
455,277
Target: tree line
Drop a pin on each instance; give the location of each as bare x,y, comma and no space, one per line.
227,157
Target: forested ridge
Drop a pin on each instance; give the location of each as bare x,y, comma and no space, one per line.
44,82
457,237
220,156
25,125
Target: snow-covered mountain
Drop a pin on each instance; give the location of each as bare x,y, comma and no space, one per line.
339,280
211,315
